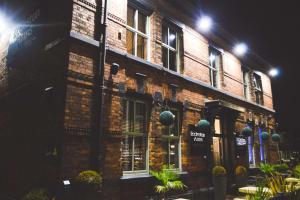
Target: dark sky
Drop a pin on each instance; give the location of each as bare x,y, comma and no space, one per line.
271,28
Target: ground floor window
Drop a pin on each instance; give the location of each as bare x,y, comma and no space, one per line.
134,142
171,143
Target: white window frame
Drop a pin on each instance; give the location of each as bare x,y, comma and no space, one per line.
136,32
130,134
246,84
212,69
169,48
258,90
168,138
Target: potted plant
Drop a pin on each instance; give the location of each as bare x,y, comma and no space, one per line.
241,176
219,182
168,180
88,184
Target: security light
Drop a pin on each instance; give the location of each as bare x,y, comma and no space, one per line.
205,23
274,72
66,182
3,24
240,49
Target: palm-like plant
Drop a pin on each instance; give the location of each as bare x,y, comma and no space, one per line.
168,179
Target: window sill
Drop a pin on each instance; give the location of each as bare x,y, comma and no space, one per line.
141,176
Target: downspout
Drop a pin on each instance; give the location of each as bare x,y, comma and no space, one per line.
99,132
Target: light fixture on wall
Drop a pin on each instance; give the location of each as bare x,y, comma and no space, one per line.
240,49
114,68
205,23
274,72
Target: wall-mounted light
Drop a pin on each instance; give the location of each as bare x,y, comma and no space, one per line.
274,72
240,49
3,24
114,68
205,24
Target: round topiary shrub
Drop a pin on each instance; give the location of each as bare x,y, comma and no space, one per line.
89,180
37,194
276,137
203,126
219,171
264,136
240,171
166,118
247,131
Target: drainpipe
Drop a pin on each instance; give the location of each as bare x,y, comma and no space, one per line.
98,139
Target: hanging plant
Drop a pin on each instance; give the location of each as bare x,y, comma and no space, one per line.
247,131
264,136
203,126
276,137
166,118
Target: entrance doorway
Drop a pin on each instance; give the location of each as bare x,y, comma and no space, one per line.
217,144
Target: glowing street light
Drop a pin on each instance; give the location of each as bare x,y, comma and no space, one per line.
240,49
205,24
274,72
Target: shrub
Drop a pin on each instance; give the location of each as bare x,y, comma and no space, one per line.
267,169
240,171
297,171
89,179
281,167
37,194
219,171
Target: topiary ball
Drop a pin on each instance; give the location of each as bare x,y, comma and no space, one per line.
166,118
240,171
203,126
246,132
276,137
264,136
89,180
219,171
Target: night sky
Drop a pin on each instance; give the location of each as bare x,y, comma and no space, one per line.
271,29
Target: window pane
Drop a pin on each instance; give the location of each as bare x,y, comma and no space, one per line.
172,61
174,156
171,153
141,47
142,23
131,116
140,146
172,38
140,118
127,153
218,126
130,16
165,57
164,38
130,42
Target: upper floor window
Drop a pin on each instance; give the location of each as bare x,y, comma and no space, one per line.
246,81
215,61
171,143
170,47
137,36
258,89
134,143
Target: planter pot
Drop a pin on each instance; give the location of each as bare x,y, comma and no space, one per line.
241,181
220,187
280,197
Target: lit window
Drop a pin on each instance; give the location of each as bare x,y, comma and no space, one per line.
215,60
258,89
246,83
171,143
170,47
134,143
137,33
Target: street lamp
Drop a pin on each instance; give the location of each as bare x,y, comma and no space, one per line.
240,49
205,24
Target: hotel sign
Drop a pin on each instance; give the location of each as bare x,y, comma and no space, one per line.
197,141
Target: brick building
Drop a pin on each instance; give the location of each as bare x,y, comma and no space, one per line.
51,97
